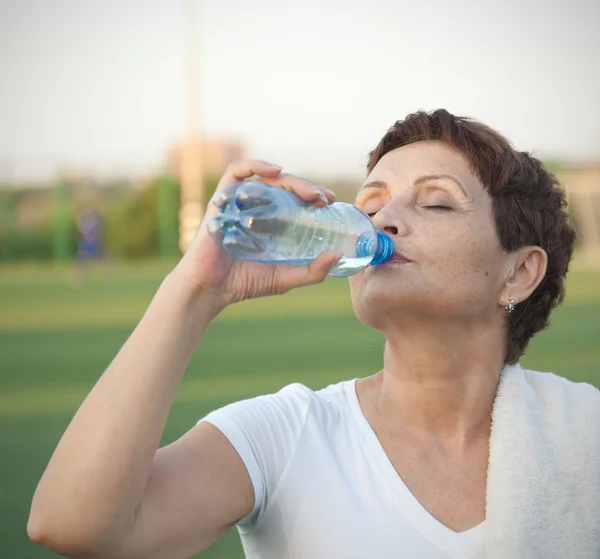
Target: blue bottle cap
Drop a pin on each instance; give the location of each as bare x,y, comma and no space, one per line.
385,249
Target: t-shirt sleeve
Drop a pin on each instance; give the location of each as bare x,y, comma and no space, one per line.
265,431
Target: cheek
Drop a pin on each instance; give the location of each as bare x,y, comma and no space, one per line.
458,266
366,301
356,285
363,290
468,257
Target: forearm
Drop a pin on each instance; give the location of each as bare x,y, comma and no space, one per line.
96,477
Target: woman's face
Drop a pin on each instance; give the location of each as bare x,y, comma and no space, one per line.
425,196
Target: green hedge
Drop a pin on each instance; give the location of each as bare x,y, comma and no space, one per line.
131,224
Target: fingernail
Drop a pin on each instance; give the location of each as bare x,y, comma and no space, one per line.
320,192
322,195
275,166
330,192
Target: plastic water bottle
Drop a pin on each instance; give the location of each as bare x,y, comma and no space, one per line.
266,224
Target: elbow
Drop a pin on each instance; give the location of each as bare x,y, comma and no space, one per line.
40,532
65,538
56,538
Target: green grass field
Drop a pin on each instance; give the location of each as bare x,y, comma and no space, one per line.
55,340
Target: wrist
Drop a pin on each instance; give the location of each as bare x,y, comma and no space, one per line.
202,304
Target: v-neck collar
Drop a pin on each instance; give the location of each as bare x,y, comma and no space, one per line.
439,534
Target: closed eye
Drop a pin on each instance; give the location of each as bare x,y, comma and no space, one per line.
434,207
442,208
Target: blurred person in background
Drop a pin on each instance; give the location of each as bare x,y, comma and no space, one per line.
91,249
452,450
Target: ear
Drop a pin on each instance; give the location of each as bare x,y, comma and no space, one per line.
527,271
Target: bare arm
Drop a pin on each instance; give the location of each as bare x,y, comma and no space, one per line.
92,493
108,491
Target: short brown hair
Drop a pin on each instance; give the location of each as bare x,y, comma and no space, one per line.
529,205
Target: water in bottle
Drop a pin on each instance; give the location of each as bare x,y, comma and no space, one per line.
266,224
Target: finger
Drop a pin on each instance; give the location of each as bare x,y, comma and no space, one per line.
235,173
222,196
240,170
330,195
306,190
311,273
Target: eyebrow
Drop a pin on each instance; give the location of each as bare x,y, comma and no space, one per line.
374,184
420,180
450,178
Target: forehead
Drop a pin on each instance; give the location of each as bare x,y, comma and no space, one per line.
422,158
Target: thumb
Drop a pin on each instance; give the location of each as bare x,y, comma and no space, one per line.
308,274
327,260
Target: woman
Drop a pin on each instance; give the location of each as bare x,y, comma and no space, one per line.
451,450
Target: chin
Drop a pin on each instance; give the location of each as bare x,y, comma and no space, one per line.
383,288
374,307
378,301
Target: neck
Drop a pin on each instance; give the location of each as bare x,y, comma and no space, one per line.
440,380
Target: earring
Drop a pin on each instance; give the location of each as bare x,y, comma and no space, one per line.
511,305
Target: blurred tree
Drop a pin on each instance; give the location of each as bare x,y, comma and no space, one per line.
555,166
210,185
38,243
168,220
61,244
132,225
138,223
9,240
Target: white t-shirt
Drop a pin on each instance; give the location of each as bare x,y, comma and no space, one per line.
324,487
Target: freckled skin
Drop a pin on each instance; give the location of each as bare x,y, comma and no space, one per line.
458,267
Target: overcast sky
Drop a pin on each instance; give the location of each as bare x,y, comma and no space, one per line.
311,85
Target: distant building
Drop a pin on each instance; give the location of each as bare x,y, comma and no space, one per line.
582,185
217,153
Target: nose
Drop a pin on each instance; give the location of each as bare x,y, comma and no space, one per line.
390,221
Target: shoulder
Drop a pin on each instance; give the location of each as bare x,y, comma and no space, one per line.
266,430
284,412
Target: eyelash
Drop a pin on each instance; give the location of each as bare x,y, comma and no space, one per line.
438,208
447,208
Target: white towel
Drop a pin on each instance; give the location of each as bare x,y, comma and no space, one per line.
543,487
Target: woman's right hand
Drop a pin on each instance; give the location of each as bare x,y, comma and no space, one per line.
209,269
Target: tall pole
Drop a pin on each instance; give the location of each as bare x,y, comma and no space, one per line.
191,208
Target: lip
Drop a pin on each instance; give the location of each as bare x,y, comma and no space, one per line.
398,258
